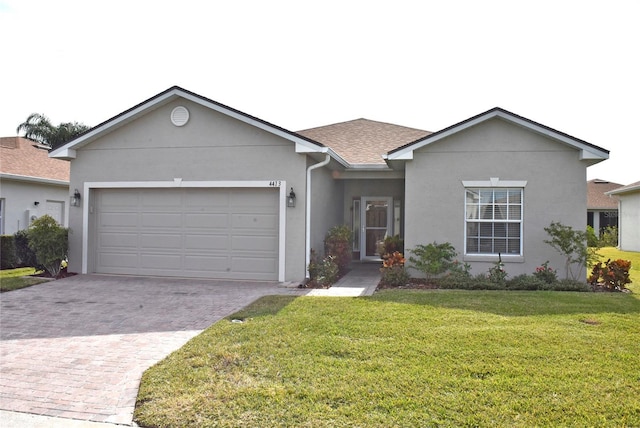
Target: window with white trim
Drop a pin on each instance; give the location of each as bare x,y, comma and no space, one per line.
493,220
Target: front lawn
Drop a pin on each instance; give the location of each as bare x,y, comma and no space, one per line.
14,279
408,358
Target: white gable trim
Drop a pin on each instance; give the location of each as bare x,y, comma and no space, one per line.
495,182
178,183
586,151
68,150
31,179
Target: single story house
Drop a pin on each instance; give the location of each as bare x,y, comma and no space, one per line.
602,209
31,184
629,216
181,185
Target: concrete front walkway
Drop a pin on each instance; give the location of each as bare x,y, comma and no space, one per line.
77,347
361,280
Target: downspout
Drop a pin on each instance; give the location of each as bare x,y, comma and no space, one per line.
307,246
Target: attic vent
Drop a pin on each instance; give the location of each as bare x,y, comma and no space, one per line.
179,116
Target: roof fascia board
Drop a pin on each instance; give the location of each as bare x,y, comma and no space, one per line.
623,190
31,179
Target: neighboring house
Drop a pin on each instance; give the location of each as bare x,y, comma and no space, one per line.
181,185
602,209
31,184
629,216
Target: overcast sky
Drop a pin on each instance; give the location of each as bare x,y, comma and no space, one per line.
570,65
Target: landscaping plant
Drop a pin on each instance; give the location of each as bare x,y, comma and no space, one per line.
49,241
572,244
393,271
433,259
337,243
612,275
545,273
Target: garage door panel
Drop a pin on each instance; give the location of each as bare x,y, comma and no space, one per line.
120,261
206,242
210,220
163,220
199,232
255,221
109,219
161,198
160,241
268,244
161,261
118,240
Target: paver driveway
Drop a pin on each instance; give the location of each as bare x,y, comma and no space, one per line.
77,347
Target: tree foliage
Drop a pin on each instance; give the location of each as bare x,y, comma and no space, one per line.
572,244
49,241
39,128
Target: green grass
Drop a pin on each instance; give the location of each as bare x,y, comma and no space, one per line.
408,358
14,279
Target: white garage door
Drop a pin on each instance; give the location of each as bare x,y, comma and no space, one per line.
195,233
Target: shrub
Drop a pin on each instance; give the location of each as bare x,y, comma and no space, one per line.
461,281
50,243
433,259
497,274
592,238
573,245
393,244
393,270
609,236
568,285
337,243
8,258
613,275
545,273
26,256
526,282
323,272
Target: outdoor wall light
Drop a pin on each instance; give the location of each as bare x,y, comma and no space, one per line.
75,199
291,199
36,203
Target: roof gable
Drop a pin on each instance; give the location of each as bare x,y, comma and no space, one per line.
587,151
21,159
67,151
629,188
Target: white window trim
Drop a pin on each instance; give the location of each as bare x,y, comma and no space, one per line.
494,182
176,184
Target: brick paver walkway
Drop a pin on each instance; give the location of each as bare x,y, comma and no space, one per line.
77,347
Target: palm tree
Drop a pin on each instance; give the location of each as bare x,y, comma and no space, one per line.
38,128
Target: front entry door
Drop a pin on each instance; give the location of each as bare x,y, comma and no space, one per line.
376,221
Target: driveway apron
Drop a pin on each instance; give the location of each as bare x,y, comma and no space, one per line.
77,347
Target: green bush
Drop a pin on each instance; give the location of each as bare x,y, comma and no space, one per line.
395,276
338,244
609,237
572,244
50,243
545,273
26,256
433,259
568,285
592,238
526,282
393,244
323,272
8,258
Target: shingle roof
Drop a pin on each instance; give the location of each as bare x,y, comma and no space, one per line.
363,141
596,198
19,156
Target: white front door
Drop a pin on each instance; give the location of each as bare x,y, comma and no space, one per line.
376,223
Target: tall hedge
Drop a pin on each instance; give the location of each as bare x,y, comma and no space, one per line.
8,259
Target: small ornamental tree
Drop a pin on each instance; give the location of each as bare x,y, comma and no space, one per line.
572,244
49,242
433,259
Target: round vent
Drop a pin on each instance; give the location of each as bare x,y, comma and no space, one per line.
180,116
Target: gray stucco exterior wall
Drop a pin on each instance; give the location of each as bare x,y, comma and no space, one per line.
210,147
555,189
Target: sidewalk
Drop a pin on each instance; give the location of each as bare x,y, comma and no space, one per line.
361,280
